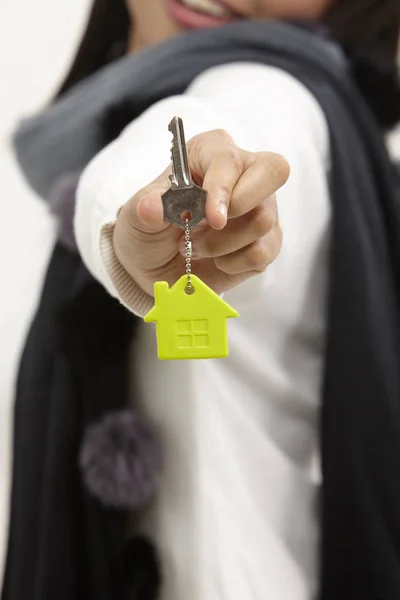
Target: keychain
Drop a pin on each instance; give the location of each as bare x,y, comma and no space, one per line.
190,316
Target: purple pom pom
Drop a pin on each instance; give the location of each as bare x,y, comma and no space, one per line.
121,460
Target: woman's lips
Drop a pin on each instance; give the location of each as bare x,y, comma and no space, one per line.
191,19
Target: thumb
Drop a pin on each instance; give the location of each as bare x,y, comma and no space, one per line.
145,211
150,212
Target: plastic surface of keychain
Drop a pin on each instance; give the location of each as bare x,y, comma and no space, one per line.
190,317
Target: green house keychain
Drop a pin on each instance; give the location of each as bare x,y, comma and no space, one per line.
190,316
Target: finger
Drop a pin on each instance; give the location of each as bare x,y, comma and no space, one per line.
264,174
254,257
223,173
216,164
231,174
237,234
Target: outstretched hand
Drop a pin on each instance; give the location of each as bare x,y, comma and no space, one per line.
238,239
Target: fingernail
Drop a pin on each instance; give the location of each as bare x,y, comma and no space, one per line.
222,209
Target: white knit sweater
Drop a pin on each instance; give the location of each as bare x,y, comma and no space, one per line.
234,518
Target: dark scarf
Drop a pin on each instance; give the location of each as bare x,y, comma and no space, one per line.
360,415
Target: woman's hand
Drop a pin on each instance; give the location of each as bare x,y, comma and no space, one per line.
241,235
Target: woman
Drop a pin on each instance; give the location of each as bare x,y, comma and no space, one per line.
234,513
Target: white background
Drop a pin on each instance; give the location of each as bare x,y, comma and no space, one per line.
36,42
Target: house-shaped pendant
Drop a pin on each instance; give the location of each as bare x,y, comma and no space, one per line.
190,325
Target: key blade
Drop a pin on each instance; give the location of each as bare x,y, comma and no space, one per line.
180,177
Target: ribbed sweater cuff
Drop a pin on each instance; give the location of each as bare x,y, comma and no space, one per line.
129,293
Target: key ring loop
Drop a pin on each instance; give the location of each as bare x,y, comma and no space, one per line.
189,289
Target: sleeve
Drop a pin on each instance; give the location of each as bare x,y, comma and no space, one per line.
269,110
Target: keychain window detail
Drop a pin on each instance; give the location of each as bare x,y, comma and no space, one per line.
190,316
193,334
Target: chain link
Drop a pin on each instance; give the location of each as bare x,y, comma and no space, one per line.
189,289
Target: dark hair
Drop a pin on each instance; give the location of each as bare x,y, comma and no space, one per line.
104,40
368,31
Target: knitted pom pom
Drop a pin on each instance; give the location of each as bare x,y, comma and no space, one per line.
120,460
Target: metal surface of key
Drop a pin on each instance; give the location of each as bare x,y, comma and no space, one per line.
184,196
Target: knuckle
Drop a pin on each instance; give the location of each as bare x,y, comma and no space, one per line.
127,212
222,264
218,143
193,144
263,220
257,257
233,159
224,191
222,133
279,166
208,136
234,279
230,270
204,249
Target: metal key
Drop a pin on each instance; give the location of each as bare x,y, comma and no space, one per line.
184,196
